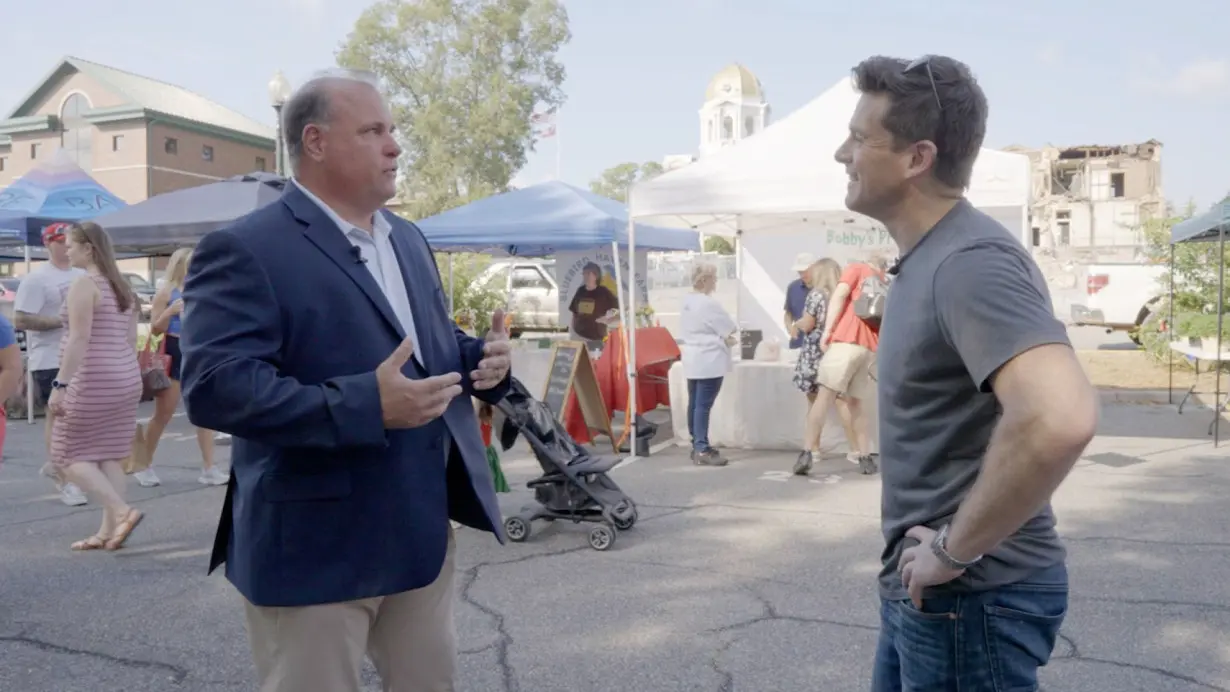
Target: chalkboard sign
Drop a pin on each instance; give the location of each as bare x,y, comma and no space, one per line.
571,372
560,376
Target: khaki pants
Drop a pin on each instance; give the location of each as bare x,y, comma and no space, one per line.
410,637
846,369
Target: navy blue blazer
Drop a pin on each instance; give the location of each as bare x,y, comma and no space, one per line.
282,333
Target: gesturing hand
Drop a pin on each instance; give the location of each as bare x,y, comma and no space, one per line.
497,359
407,403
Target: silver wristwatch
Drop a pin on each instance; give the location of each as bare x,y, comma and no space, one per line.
939,546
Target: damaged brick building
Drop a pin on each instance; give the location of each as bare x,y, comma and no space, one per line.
1089,202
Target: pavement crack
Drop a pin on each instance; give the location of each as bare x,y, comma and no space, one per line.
177,674
726,679
770,614
1076,655
504,639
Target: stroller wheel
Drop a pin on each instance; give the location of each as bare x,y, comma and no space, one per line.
624,515
602,537
517,529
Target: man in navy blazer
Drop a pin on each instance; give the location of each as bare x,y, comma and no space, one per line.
316,334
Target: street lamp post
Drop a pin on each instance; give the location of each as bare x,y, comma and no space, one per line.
279,94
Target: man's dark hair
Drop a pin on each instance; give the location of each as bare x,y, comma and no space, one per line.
935,98
592,268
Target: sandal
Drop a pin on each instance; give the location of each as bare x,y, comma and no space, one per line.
95,542
125,528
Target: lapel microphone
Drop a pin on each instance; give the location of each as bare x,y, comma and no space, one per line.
357,254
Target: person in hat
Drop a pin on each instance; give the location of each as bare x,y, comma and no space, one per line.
796,297
36,309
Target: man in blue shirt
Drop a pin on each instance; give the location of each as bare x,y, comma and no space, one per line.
796,296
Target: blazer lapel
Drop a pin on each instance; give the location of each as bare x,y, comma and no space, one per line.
419,293
325,235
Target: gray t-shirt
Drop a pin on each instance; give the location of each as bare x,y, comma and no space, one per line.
966,300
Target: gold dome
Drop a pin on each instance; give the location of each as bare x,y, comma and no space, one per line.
734,80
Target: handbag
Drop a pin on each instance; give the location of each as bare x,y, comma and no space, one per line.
138,458
154,369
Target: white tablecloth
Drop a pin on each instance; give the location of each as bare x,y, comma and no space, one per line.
759,408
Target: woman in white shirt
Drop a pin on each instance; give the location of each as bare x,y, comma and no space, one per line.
707,332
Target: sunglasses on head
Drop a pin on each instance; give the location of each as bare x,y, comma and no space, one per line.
925,63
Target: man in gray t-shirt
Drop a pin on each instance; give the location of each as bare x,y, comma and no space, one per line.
984,408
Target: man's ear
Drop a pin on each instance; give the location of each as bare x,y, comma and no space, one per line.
922,158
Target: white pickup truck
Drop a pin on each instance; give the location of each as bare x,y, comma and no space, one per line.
1119,296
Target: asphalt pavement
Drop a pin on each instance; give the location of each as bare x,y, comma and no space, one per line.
738,578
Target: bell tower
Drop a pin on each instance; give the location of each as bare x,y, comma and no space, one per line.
734,109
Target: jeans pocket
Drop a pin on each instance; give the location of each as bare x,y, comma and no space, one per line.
1022,627
926,642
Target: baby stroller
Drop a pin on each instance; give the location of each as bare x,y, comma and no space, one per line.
574,484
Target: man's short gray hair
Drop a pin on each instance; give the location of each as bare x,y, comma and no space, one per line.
309,105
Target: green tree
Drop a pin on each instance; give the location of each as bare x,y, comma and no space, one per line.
464,78
1195,265
615,181
718,244
1195,271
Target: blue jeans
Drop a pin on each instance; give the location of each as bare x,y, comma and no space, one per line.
701,395
988,641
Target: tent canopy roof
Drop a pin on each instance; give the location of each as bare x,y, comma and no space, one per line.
1204,227
789,169
540,219
55,191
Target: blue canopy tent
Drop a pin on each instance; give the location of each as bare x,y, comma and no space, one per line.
539,220
56,191
542,219
1212,225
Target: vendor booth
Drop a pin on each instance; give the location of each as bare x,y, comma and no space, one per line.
777,194
1209,227
588,233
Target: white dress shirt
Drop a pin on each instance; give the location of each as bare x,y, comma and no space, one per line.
704,326
376,248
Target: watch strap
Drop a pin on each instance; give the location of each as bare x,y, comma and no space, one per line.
939,546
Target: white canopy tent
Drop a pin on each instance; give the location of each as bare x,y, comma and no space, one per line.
781,192
787,174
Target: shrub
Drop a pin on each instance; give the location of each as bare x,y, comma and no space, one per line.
473,300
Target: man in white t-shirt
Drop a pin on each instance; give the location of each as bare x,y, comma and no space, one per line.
40,296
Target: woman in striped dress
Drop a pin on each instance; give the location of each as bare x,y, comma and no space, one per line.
96,392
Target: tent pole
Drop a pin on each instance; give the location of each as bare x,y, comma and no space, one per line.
29,372
625,340
1221,299
634,403
1170,334
739,278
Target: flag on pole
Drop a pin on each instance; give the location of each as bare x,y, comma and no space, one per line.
546,132
544,117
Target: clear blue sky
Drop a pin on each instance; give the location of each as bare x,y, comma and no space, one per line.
1055,72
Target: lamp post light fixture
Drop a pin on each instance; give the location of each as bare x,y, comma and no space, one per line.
279,94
